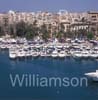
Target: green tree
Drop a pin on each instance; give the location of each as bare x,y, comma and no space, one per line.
62,28
82,33
21,29
90,35
44,32
1,31
5,25
12,30
29,32
61,33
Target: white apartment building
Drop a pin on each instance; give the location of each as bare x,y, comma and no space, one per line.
65,19
71,21
78,21
15,17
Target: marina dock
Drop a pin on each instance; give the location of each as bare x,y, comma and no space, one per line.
75,48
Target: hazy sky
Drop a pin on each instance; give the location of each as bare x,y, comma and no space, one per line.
48,5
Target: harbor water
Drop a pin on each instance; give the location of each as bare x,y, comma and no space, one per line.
47,67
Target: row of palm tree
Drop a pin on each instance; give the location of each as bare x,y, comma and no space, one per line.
22,29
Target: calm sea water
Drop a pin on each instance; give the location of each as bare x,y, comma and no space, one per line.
47,67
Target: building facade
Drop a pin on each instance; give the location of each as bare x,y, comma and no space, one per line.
71,21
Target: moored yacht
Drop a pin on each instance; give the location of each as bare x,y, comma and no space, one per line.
85,54
93,54
20,53
3,46
77,54
93,75
35,54
28,53
43,53
62,54
12,54
54,54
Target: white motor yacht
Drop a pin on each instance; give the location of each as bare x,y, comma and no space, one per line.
62,54
12,54
28,53
20,53
54,54
85,54
35,54
3,46
43,53
59,46
77,54
92,75
93,54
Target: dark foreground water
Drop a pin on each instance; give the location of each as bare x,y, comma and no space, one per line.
47,67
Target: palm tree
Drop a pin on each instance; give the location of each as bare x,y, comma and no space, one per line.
21,29
1,30
5,25
12,30
61,32
45,32
50,30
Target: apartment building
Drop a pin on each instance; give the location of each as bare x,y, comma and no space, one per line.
71,21
65,19
93,21
79,21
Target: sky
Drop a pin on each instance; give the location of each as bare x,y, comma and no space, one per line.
48,5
